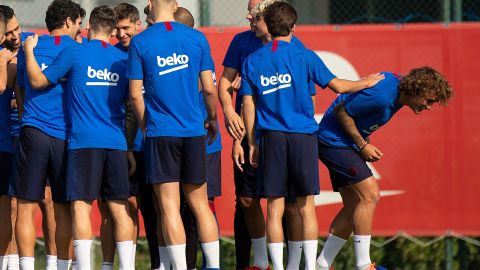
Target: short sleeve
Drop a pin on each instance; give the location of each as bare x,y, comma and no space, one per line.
246,87
134,66
61,66
317,70
364,102
233,57
206,62
21,69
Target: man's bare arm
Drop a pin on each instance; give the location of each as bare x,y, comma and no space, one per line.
210,98
137,103
226,87
341,86
5,57
367,151
249,117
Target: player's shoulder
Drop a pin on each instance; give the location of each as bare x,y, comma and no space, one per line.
297,42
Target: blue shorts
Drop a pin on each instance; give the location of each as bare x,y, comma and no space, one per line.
288,161
214,174
139,175
94,173
246,181
175,159
6,162
39,157
345,165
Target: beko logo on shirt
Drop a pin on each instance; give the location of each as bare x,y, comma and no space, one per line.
179,61
283,79
111,78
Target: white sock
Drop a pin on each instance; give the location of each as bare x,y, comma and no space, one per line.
82,253
276,254
107,266
3,262
333,245
134,253
74,265
64,264
211,251
165,262
124,250
51,262
362,250
310,251
177,256
260,256
294,254
27,263
13,262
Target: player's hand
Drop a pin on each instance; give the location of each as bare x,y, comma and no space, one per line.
236,84
6,56
370,153
234,124
30,43
132,162
238,155
373,79
253,155
212,129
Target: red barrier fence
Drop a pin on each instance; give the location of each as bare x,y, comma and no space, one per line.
427,172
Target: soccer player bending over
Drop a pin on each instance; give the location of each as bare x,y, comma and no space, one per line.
276,94
97,159
165,57
343,146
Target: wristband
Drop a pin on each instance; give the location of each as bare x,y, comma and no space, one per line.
363,146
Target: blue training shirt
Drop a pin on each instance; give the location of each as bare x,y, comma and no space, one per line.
278,75
6,142
242,45
96,91
45,109
370,108
169,57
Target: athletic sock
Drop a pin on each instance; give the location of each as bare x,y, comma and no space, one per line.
276,254
294,254
310,251
64,264
165,261
13,262
107,266
82,253
3,262
260,256
27,263
362,250
74,265
124,250
51,262
332,246
134,253
177,256
211,251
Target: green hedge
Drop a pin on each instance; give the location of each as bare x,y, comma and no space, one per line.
400,254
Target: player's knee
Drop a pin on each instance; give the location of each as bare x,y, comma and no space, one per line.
291,210
247,203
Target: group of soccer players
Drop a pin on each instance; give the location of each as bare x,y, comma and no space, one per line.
134,126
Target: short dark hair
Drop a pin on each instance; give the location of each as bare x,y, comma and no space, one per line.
424,82
127,11
183,16
103,18
2,19
7,12
58,12
280,18
146,10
